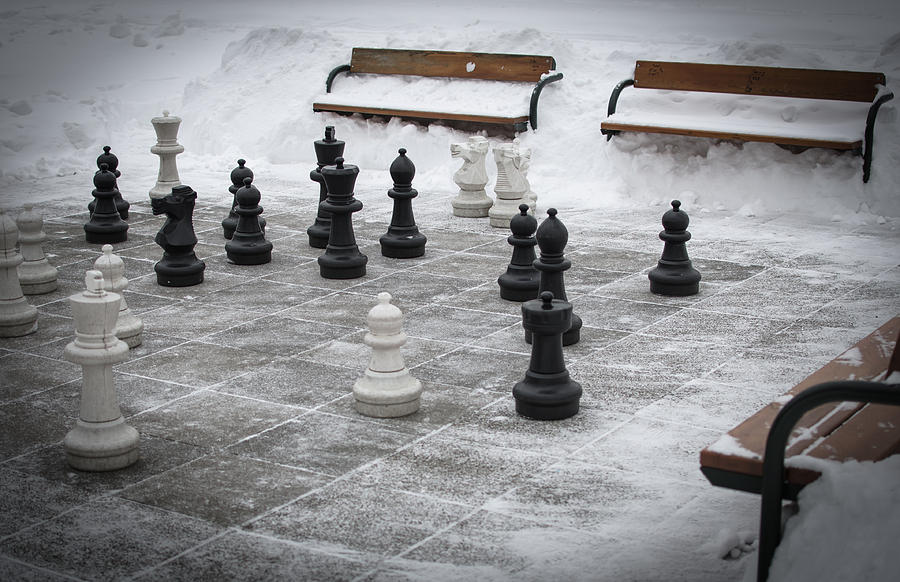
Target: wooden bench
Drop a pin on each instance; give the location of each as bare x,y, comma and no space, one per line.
842,133
463,65
835,431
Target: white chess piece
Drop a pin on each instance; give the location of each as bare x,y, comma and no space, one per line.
167,147
129,327
510,187
100,440
386,389
36,274
524,163
472,201
17,317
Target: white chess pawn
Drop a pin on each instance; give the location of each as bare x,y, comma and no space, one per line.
17,317
100,440
36,274
510,187
128,327
472,201
386,389
167,147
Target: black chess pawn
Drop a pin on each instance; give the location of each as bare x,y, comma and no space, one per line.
112,164
403,239
674,275
342,259
547,392
327,151
521,280
179,266
229,223
552,237
248,246
105,225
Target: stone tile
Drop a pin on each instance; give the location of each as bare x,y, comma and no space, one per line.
868,306
353,518
612,259
808,339
25,374
620,388
324,443
15,570
395,266
411,289
475,368
107,538
294,381
27,429
637,288
709,326
456,241
308,274
212,419
764,371
455,325
665,358
352,352
214,488
339,309
244,556
279,261
209,364
192,320
27,499
470,266
50,328
212,281
263,296
618,314
725,272
278,336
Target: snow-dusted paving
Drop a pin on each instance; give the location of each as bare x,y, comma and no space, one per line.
254,464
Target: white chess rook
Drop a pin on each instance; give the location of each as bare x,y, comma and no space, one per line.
510,187
167,147
17,317
472,201
129,328
36,274
100,440
386,389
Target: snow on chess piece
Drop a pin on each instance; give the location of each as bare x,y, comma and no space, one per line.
547,392
674,275
521,280
552,237
386,389
36,274
129,328
17,316
403,239
167,147
248,246
112,164
327,151
179,266
100,440
523,162
510,187
472,201
105,225
342,259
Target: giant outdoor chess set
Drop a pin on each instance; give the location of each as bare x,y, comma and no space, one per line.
293,425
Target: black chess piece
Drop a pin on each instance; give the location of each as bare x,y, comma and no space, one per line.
248,246
342,259
105,225
229,223
521,280
327,151
112,164
552,237
547,392
403,239
179,266
674,275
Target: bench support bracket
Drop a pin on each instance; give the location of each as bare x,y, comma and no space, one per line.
613,101
870,131
536,94
334,73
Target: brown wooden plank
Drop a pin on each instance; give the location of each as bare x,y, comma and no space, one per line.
749,80
870,435
819,143
492,66
412,113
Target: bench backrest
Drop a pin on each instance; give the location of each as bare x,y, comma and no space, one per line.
491,66
749,80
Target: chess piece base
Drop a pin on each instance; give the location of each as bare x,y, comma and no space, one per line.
17,318
387,394
130,329
318,234
522,288
403,247
547,396
672,281
249,253
101,446
342,266
184,275
471,204
104,237
38,278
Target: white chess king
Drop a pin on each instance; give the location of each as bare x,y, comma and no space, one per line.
167,147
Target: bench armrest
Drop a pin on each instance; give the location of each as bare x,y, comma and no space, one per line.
773,461
334,73
535,95
613,101
870,131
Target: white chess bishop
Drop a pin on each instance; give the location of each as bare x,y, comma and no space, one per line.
129,328
386,389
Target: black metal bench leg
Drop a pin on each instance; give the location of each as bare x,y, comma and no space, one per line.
870,132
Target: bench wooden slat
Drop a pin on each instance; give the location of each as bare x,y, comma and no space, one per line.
498,119
838,145
490,66
870,435
750,80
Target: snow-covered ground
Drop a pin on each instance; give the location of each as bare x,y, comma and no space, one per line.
77,75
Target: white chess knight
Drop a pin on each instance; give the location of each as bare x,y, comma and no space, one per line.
472,201
129,328
100,440
524,162
511,185
167,147
386,389
17,316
